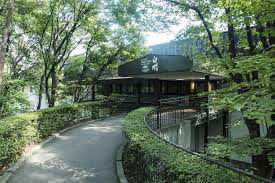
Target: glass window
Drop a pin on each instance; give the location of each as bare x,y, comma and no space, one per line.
117,88
212,86
131,88
113,88
200,87
124,88
163,87
172,87
144,87
152,88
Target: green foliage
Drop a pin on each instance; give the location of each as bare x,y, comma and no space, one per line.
150,15
242,146
12,99
255,103
156,161
18,131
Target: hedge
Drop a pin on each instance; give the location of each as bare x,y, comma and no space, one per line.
18,131
146,158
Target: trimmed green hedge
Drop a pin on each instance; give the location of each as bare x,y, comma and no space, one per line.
148,159
18,131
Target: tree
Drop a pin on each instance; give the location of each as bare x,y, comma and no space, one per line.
250,75
105,49
56,24
12,99
7,12
248,64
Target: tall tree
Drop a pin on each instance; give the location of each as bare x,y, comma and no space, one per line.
250,83
55,33
105,49
7,12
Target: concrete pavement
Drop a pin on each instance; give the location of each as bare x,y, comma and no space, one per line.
81,155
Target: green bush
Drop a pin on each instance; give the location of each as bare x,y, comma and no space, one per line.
18,131
149,159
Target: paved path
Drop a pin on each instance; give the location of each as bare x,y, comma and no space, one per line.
82,155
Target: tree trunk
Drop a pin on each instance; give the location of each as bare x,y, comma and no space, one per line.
40,92
262,165
272,129
250,40
6,30
262,37
47,88
53,88
232,41
271,38
80,79
260,162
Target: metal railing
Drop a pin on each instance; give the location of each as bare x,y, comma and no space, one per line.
175,110
171,111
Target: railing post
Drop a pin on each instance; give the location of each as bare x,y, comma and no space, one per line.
159,115
175,115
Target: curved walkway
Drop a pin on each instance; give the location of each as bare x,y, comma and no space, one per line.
81,155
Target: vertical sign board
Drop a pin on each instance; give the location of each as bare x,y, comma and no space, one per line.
149,65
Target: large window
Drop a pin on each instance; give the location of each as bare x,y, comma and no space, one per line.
130,88
163,87
186,88
200,87
172,87
151,86
144,87
113,88
124,88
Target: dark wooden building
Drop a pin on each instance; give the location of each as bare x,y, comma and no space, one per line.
155,76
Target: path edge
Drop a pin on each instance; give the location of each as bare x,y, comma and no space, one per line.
11,170
119,167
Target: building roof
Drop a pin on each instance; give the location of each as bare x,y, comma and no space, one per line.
155,64
163,67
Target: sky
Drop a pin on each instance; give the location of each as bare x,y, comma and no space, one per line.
151,38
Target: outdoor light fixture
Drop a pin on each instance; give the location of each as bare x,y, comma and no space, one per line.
192,85
209,87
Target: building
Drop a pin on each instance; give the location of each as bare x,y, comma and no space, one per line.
166,71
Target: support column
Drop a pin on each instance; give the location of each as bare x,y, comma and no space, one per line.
166,87
177,88
206,81
149,86
120,88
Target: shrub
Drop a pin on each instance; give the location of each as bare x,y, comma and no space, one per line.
149,159
18,131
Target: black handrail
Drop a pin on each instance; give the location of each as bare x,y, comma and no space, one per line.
211,161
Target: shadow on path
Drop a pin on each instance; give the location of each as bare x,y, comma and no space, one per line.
82,155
